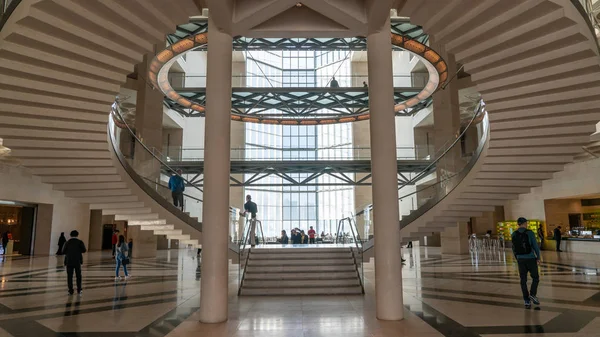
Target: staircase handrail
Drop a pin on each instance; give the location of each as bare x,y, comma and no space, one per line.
165,186
241,259
8,7
117,111
357,243
460,175
588,16
479,109
138,179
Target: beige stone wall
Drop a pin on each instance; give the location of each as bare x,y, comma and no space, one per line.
455,240
578,179
58,214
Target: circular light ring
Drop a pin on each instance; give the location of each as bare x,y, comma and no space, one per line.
162,62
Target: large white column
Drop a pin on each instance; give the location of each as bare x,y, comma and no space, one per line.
388,264
215,220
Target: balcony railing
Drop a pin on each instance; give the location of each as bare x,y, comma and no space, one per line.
297,79
255,153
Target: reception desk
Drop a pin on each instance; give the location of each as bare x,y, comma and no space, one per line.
574,245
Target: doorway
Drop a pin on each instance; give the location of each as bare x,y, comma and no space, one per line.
574,220
17,225
107,232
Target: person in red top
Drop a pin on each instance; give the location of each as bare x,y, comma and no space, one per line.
115,239
311,235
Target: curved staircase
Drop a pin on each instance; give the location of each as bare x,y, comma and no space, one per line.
61,65
535,62
537,67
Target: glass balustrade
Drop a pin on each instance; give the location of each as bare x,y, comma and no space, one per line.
188,80
453,162
147,165
262,153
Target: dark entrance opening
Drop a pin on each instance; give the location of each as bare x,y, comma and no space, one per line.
17,224
107,231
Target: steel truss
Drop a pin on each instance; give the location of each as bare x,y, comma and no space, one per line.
297,102
345,172
399,26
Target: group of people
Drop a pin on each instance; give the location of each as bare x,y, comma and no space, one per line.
73,250
298,237
335,84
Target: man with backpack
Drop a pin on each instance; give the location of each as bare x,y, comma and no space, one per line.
527,253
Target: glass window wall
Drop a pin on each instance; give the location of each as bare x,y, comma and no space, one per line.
287,207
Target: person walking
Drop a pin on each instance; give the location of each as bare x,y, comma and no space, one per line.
558,237
312,235
122,257
252,208
177,186
114,240
130,246
61,242
540,233
73,251
527,254
365,85
4,242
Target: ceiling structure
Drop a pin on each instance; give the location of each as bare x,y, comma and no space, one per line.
160,66
400,26
291,18
343,171
297,102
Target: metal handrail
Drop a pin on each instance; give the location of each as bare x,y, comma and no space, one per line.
117,111
478,110
143,185
245,236
165,186
356,238
425,171
590,19
461,175
7,7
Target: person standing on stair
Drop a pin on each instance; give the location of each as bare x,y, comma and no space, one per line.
177,186
527,254
312,235
252,208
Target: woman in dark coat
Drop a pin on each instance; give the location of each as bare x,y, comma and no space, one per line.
61,242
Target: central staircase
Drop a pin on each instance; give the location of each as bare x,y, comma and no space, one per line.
302,271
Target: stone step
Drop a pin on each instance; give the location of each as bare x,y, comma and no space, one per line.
295,250
300,255
356,290
257,275
279,284
302,262
129,217
302,268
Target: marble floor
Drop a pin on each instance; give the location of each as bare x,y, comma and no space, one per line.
460,296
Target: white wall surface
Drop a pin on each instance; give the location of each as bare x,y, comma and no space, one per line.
577,180
67,214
